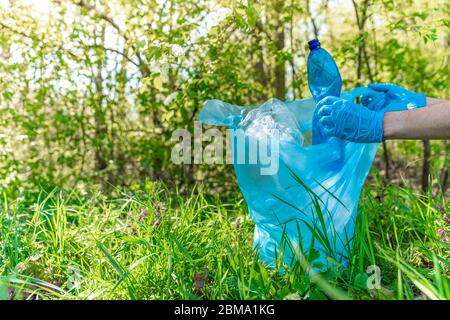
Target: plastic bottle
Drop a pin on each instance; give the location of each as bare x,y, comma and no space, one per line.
324,80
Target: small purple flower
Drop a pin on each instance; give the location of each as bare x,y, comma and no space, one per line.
159,207
142,215
440,232
447,218
441,208
130,217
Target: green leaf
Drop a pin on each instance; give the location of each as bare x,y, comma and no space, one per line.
360,281
252,15
316,294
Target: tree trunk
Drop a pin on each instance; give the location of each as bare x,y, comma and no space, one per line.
99,113
426,165
361,19
280,66
313,21
446,166
291,60
444,175
261,74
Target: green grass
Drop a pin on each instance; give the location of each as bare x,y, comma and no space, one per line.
85,245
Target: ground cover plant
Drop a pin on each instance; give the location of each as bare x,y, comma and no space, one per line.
149,243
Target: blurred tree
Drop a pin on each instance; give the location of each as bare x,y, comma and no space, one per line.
92,90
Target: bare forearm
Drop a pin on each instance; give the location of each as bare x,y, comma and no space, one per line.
431,122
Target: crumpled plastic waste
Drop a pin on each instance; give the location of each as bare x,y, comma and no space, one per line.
303,198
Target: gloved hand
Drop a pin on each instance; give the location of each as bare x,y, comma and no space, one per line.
349,121
390,97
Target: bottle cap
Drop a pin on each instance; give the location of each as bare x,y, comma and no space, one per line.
314,44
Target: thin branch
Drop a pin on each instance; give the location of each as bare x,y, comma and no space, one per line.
103,16
143,66
369,69
115,51
34,38
313,21
355,6
23,34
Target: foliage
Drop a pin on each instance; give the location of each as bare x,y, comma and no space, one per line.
92,90
146,242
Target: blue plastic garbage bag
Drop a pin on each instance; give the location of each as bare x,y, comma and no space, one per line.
304,200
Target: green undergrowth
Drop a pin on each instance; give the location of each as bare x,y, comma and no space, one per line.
147,242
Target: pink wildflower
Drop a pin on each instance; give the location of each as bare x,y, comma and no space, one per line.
142,215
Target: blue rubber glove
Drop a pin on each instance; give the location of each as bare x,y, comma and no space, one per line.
391,97
349,121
